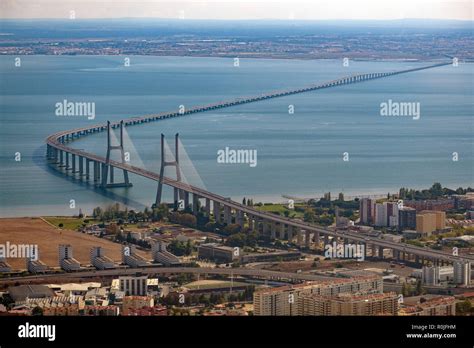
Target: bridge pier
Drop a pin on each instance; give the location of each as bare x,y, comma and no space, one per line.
73,160
273,230
265,228
251,222
227,215
299,237
185,197
61,159
381,253
111,173
307,239
81,167
240,218
96,172
87,169
282,231
208,207
290,234
316,238
364,250
195,204
67,161
217,212
175,197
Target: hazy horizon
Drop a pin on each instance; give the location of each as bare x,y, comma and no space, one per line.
238,10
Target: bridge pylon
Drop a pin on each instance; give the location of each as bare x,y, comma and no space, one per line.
107,168
178,194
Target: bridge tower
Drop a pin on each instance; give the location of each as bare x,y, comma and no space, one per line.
107,168
178,194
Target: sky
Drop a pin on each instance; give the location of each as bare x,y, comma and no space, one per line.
239,9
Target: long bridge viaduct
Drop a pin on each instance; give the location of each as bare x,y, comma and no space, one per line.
225,211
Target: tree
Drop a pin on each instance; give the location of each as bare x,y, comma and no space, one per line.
309,215
232,229
189,247
159,213
406,290
463,307
237,240
419,288
37,311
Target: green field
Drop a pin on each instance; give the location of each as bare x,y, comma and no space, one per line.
69,223
281,208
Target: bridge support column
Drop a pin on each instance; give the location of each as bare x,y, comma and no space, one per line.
239,219
217,212
48,152
363,246
299,237
374,251
73,160
251,222
273,230
61,159
111,174
81,167
290,234
316,238
195,204
67,160
381,253
87,169
185,195
227,215
265,228
96,172
307,239
282,231
175,197
208,207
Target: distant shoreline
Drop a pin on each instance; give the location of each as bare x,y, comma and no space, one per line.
392,60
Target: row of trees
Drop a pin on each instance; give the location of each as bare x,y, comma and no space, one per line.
407,289
114,212
119,237
173,299
434,192
184,219
310,216
180,248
